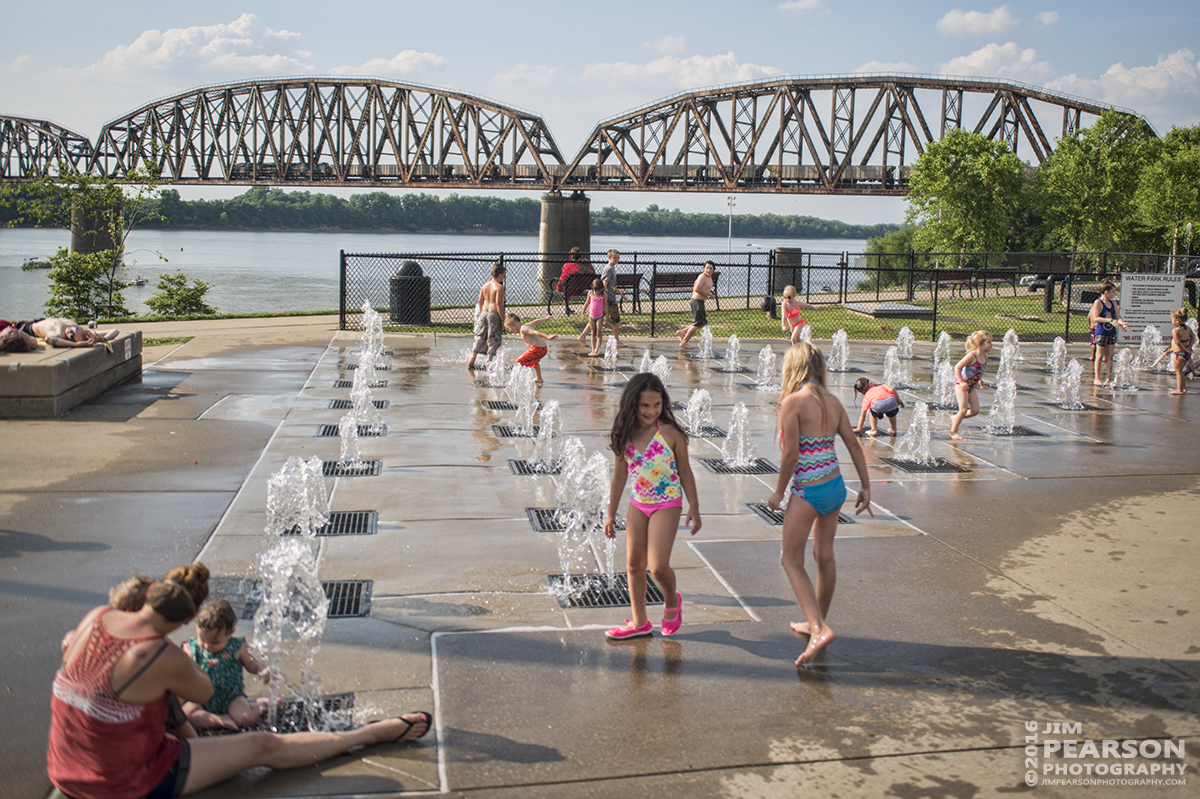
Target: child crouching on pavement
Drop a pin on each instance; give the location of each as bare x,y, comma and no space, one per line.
532,357
222,657
880,400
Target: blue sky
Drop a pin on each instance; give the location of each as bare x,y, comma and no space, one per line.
81,64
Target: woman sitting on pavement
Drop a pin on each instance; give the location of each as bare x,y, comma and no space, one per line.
109,708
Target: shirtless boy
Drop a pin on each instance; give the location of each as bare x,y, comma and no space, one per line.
532,357
62,332
491,305
700,292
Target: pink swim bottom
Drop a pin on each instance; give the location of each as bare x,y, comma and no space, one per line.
648,509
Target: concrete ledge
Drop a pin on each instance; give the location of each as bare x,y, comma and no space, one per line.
51,382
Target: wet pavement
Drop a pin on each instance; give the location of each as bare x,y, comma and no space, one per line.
1051,582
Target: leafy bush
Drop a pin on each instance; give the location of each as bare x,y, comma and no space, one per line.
84,286
176,298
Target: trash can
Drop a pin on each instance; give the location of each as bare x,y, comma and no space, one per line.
411,293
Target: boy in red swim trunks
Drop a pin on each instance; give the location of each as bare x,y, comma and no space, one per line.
532,357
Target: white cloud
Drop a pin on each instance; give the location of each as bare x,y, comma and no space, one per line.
405,63
887,67
1048,18
240,46
799,6
1165,92
667,45
999,61
961,23
528,75
669,74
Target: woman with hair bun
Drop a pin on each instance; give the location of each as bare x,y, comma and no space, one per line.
108,738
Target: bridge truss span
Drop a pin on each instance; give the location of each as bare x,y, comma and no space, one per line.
324,131
34,147
856,134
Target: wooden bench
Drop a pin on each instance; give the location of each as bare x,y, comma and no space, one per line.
960,279
679,283
999,277
578,285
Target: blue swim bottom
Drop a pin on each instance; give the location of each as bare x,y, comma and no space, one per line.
825,497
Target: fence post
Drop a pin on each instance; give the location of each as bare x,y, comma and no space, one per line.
933,275
749,264
342,290
842,289
653,296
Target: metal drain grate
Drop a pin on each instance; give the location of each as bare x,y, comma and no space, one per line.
707,432
595,590
485,384
1056,406
508,431
719,466
678,406
347,598
542,521
384,368
937,465
757,387
526,468
847,370
775,517
364,431
741,370
1020,430
499,405
335,714
345,522
243,593
933,406
345,404
361,469
614,369
350,384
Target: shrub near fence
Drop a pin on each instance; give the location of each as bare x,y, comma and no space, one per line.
869,295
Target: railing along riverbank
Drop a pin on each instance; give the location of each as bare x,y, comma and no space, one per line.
869,295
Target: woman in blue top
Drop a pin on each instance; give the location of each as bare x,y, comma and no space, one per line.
1104,319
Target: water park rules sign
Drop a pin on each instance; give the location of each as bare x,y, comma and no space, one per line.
1148,300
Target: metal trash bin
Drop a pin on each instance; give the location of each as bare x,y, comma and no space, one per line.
410,295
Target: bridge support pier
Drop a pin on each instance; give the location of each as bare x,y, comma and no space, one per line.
566,223
90,231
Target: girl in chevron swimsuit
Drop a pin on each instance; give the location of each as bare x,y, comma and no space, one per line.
810,419
652,449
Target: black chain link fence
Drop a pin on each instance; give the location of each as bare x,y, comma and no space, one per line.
869,295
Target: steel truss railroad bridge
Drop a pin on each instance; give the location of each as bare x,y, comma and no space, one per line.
855,134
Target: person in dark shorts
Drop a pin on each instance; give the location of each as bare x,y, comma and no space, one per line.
1105,318
612,311
879,400
700,292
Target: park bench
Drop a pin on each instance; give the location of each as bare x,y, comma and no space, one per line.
577,285
983,277
959,279
679,283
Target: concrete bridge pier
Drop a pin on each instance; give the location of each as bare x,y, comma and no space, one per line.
566,223
91,231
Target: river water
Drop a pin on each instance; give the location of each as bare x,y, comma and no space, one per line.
253,272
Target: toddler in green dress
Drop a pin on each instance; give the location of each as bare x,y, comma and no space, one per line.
222,657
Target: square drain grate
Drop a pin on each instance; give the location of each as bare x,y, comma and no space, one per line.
775,517
508,431
350,384
345,404
525,468
360,469
847,370
243,593
384,368
938,465
499,405
741,370
335,714
595,590
345,522
364,431
1020,430
542,521
719,466
707,432
756,387
348,599
614,369
485,384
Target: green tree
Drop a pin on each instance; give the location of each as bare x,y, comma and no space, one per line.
963,190
1168,194
177,298
1088,184
102,209
889,255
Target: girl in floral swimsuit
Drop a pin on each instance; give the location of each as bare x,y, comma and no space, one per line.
652,448
968,375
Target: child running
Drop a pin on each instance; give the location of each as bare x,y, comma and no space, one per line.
809,420
593,314
222,657
791,320
532,357
651,447
968,376
1182,342
879,400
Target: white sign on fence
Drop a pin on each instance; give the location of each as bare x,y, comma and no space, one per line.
1148,300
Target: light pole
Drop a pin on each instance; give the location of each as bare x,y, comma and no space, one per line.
731,201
